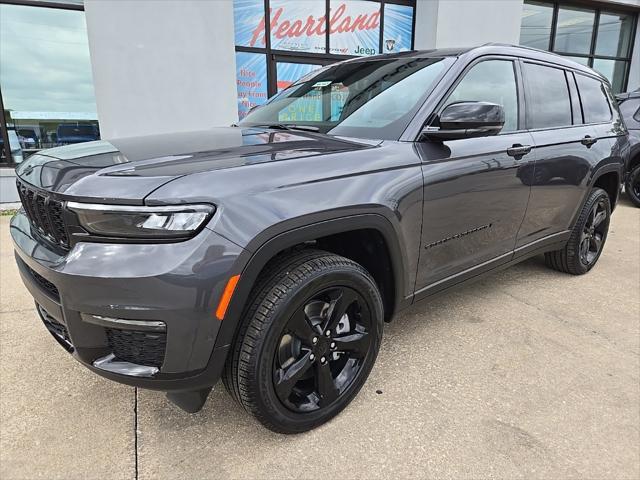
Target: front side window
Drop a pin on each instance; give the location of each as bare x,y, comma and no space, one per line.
367,98
548,103
595,104
491,81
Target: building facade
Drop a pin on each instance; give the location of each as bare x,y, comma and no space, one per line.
73,70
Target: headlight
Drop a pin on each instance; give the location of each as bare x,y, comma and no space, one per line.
141,222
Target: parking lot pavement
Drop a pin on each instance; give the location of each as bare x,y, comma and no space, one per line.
527,374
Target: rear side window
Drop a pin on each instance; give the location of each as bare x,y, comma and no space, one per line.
548,103
595,105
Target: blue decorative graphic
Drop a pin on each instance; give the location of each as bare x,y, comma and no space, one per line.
251,78
288,73
398,23
249,23
354,27
298,26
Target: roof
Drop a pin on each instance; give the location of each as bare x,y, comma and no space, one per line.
490,49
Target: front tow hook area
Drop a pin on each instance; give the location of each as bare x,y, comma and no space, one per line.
190,401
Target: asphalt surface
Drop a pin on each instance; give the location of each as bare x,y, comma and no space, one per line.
529,373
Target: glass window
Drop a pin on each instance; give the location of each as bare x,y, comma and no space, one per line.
594,100
614,70
398,24
354,27
535,30
491,81
249,23
298,26
251,79
581,60
574,30
45,76
548,103
288,73
614,34
366,98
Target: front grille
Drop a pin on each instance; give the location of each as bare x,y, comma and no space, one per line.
45,214
141,348
59,331
45,284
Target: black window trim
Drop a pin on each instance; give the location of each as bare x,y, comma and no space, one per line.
574,71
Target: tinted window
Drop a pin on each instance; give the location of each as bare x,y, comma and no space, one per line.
594,100
548,103
491,81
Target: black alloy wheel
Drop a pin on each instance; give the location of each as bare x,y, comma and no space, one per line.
307,342
632,185
587,239
594,232
322,349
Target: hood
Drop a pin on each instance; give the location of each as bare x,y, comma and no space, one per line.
127,170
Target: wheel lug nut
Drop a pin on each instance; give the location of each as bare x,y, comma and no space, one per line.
333,345
315,340
312,357
323,360
328,333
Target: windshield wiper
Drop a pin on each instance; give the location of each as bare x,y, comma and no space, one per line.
289,126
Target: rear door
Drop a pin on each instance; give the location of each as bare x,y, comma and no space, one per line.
566,148
474,200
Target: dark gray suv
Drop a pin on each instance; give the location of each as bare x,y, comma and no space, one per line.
269,254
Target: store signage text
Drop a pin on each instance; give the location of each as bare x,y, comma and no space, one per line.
338,23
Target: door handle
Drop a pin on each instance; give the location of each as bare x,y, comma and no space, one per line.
518,150
588,140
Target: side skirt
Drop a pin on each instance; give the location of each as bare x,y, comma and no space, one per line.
543,245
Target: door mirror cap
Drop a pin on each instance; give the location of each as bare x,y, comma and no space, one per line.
467,120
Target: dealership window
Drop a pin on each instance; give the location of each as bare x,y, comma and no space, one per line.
46,85
279,41
599,38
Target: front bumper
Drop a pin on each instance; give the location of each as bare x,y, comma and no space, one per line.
139,314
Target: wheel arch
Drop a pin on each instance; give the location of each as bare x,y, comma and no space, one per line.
276,243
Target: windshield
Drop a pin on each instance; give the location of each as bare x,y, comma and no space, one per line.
370,99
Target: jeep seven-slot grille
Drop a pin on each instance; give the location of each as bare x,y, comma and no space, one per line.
45,214
141,348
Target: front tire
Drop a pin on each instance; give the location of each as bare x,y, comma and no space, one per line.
308,340
632,185
587,237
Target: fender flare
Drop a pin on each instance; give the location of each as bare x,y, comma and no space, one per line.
254,263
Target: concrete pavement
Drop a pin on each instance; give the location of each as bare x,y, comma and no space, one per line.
528,374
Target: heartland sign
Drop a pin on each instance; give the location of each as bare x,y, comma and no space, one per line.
354,27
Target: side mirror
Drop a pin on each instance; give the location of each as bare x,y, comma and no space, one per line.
467,120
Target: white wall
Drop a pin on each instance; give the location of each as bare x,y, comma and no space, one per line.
162,66
466,23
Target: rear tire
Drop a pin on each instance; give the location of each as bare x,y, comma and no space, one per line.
632,185
587,238
307,342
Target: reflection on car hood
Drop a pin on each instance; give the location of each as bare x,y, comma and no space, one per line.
126,170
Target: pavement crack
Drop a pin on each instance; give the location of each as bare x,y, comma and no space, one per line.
135,431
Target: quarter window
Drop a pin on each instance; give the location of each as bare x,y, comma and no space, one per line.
491,81
548,103
594,100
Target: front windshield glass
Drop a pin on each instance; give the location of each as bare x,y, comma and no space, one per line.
366,98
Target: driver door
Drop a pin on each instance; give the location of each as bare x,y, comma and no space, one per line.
475,189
